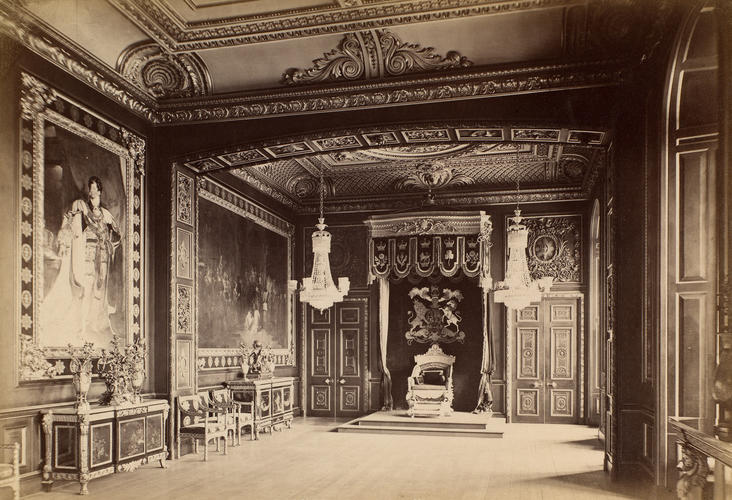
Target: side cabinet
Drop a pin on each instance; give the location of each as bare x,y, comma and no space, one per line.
83,445
272,401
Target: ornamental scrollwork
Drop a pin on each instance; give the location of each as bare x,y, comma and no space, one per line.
33,361
401,58
423,226
555,248
136,148
162,74
433,175
35,97
693,471
357,58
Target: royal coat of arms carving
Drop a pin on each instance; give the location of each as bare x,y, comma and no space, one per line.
435,317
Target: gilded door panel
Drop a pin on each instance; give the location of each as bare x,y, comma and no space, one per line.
528,363
320,398
562,403
561,353
528,373
562,361
351,327
528,403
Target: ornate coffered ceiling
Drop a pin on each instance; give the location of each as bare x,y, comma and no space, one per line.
175,61
418,165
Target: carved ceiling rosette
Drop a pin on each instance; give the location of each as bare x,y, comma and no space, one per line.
373,54
433,175
162,74
555,248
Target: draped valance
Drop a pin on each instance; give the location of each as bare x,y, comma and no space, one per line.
431,243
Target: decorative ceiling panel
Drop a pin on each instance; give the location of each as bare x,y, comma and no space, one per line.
459,171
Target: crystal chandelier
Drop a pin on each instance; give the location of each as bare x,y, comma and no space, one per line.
518,290
319,290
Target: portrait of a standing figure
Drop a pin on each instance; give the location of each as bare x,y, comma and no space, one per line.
77,303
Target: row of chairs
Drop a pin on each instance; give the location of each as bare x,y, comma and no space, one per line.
213,415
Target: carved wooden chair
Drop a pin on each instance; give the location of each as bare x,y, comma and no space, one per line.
241,413
200,422
10,473
429,388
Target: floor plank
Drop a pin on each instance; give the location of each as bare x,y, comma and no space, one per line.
310,461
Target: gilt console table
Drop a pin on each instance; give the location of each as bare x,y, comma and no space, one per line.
83,445
272,401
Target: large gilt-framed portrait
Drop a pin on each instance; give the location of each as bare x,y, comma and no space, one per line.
244,264
80,231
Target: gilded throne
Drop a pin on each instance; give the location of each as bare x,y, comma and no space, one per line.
429,388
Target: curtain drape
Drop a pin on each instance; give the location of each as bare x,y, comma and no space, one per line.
383,337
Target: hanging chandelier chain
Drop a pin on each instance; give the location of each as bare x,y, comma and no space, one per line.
322,193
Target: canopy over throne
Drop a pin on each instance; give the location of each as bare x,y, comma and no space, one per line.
429,388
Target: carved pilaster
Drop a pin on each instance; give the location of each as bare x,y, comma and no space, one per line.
47,424
136,147
693,472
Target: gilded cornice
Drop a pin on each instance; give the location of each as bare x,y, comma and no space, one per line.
466,85
176,35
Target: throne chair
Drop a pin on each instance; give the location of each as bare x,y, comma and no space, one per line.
429,388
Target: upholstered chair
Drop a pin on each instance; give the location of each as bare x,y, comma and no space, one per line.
200,422
240,413
10,473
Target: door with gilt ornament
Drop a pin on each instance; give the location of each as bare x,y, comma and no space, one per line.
337,359
546,350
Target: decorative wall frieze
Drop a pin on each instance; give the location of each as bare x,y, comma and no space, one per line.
176,35
373,54
162,74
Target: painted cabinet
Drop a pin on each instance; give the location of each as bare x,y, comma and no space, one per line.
273,401
83,445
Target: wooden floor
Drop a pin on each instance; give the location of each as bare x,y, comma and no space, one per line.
311,461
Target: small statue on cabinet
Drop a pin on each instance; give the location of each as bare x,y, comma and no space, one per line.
257,361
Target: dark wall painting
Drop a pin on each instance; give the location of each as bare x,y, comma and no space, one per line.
243,270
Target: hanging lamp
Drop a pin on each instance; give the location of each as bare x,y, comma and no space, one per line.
319,290
518,290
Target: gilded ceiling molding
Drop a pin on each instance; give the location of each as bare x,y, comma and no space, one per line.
63,56
382,94
162,74
176,35
464,199
374,54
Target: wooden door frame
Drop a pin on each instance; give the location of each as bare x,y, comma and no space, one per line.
510,349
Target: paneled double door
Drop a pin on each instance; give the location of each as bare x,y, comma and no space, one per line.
545,359
337,359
